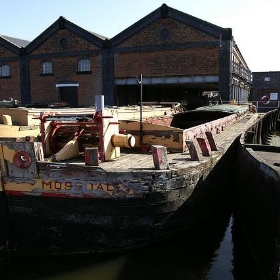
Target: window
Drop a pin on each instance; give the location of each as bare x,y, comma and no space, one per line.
164,34
84,65
63,44
5,71
267,79
47,67
274,96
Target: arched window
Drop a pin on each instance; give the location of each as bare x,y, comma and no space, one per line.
63,43
47,67
5,71
84,65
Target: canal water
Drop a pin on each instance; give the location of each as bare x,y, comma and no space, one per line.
213,250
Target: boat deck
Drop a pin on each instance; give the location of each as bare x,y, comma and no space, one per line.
132,161
272,158
269,154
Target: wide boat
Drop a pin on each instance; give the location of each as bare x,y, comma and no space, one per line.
91,183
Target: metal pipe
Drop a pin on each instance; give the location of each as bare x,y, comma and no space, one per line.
99,103
140,81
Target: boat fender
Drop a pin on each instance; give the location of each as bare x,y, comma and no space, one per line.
22,159
265,100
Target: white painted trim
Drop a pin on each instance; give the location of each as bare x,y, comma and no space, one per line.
67,85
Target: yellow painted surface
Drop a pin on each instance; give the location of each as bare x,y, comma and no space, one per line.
171,137
47,128
7,119
3,163
70,150
14,131
110,127
67,187
41,185
1,182
30,116
123,140
8,153
12,186
135,125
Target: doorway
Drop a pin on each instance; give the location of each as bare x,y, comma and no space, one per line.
68,94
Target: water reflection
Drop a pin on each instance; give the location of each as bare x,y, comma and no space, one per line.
202,253
222,267
244,263
189,256
70,268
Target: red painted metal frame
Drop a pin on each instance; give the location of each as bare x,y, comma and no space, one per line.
96,125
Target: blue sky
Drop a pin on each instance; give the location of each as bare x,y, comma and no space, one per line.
254,22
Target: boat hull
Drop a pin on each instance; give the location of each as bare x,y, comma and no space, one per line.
117,201
65,225
256,208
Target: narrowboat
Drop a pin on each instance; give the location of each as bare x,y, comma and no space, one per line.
93,183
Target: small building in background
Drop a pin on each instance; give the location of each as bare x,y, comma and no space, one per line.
266,90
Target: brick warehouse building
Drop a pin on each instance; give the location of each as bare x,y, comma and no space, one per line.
266,89
178,55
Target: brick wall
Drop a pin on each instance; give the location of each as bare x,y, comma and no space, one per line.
10,86
43,88
260,81
74,43
167,52
4,52
265,83
177,62
177,33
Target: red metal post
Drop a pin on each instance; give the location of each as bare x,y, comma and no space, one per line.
203,146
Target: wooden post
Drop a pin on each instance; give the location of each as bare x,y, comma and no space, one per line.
91,156
160,157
